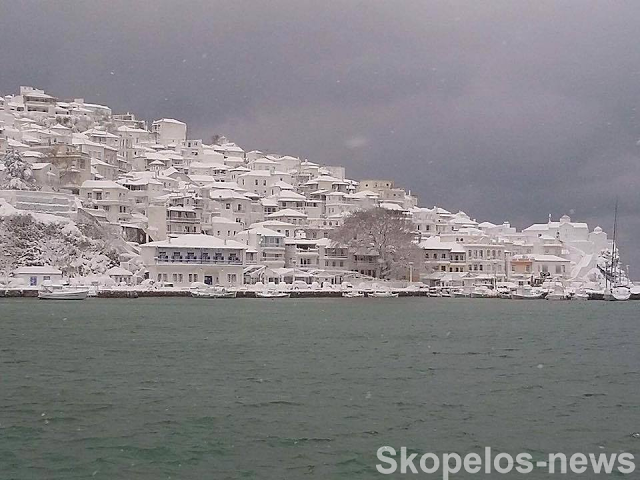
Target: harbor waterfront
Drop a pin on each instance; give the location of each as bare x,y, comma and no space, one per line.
184,388
171,293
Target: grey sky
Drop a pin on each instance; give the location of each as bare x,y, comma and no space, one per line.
504,109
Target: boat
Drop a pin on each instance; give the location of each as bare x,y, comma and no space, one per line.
580,295
353,294
62,292
613,290
213,292
459,293
445,293
272,294
435,292
503,292
558,293
528,293
382,294
482,291
617,294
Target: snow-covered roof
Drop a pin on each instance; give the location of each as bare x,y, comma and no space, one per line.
264,231
224,194
169,120
197,241
287,212
37,270
101,184
118,272
435,243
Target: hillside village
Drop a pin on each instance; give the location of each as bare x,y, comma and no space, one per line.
178,211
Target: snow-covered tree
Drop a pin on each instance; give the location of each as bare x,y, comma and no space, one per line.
18,174
385,233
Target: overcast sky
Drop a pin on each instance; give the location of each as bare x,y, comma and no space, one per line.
508,110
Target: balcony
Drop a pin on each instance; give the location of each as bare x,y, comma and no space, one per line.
306,251
176,219
199,261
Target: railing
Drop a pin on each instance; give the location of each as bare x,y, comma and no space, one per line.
206,261
307,250
183,219
341,256
271,245
273,259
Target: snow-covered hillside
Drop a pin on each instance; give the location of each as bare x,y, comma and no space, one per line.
40,239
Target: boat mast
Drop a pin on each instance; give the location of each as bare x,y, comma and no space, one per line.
615,228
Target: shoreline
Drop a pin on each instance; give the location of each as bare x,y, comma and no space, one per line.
132,294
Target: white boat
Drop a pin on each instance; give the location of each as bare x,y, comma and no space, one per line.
353,294
613,290
482,291
435,292
580,296
528,293
272,294
617,294
503,292
445,293
382,294
61,292
213,292
558,293
459,293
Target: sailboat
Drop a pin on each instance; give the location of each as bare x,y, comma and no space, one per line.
613,291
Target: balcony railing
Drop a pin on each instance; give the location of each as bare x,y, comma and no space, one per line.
307,250
183,219
203,261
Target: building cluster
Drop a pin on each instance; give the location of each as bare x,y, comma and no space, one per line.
217,214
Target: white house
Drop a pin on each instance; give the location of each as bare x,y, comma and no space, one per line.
169,131
34,276
185,259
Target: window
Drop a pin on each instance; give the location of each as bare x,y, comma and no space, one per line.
231,277
227,206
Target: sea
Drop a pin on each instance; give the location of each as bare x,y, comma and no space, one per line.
161,388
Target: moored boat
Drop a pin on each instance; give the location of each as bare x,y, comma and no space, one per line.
459,293
62,292
353,294
528,293
617,294
558,293
482,291
272,294
214,292
382,294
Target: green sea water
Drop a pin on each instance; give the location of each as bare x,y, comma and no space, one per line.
309,388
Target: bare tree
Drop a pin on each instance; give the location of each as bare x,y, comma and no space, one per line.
218,139
385,233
